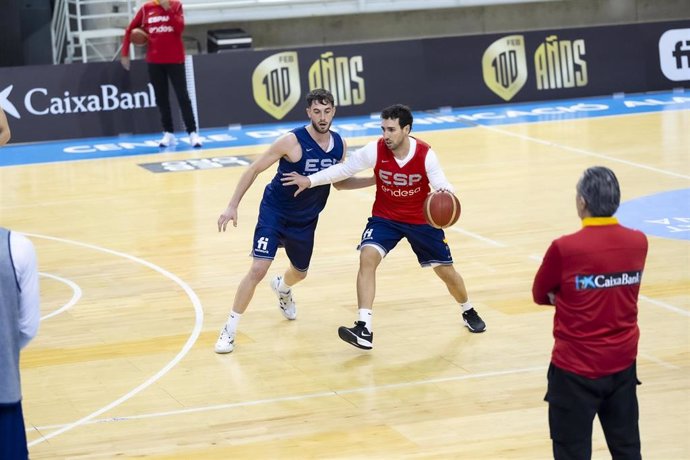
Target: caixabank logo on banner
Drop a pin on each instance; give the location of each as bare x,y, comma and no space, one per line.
41,101
557,64
276,81
674,54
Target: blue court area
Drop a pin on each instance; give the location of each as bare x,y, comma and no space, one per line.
665,214
443,118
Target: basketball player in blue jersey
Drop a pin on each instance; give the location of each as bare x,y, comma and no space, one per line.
285,220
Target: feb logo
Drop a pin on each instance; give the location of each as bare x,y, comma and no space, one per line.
275,84
504,66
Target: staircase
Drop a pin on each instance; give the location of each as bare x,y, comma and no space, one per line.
89,30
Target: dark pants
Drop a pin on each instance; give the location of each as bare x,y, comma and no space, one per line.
575,400
159,74
12,432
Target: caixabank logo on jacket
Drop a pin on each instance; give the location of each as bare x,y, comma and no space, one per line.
276,81
557,64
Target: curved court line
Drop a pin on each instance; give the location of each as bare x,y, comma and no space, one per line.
583,151
320,394
76,294
199,313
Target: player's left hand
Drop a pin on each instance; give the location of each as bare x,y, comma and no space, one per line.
295,178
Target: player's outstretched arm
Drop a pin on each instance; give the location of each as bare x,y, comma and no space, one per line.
275,152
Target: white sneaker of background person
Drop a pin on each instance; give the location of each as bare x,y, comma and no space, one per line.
167,140
195,140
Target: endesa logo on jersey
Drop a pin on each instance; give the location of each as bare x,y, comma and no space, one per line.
607,280
393,183
674,54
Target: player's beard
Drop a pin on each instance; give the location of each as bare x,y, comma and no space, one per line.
319,129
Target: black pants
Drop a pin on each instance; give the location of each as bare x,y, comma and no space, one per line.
159,74
575,400
12,432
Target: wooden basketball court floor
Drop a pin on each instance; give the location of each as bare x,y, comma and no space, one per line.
136,282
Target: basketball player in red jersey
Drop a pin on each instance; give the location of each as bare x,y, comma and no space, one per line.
406,169
163,21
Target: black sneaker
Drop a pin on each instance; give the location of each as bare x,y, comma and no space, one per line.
472,320
357,336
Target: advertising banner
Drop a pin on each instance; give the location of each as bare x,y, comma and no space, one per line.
250,86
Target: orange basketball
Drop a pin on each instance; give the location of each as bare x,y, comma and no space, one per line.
441,209
139,37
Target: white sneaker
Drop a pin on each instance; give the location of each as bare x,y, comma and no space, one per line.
195,140
285,301
226,341
167,139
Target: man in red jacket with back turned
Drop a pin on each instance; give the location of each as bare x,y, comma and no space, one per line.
593,278
163,21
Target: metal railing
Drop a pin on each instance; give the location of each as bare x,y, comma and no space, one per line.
215,11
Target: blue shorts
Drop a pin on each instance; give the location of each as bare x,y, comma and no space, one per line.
427,242
13,434
275,231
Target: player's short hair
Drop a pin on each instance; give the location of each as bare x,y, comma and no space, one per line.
320,95
400,112
599,187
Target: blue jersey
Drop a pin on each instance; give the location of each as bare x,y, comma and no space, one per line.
307,205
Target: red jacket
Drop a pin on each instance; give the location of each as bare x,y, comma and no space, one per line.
595,274
165,32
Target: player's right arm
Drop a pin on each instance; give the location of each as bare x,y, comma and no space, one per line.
137,21
360,160
283,146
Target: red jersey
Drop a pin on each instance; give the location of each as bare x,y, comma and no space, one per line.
595,274
401,191
165,32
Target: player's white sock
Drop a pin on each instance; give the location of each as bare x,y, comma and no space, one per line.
466,306
233,321
283,287
365,315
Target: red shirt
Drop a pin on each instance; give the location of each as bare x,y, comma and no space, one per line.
165,32
595,274
400,191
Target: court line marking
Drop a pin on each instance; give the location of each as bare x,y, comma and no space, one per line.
199,317
658,361
583,151
321,394
76,295
665,305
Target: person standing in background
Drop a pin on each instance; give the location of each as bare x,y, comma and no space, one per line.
163,21
20,316
593,278
19,319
